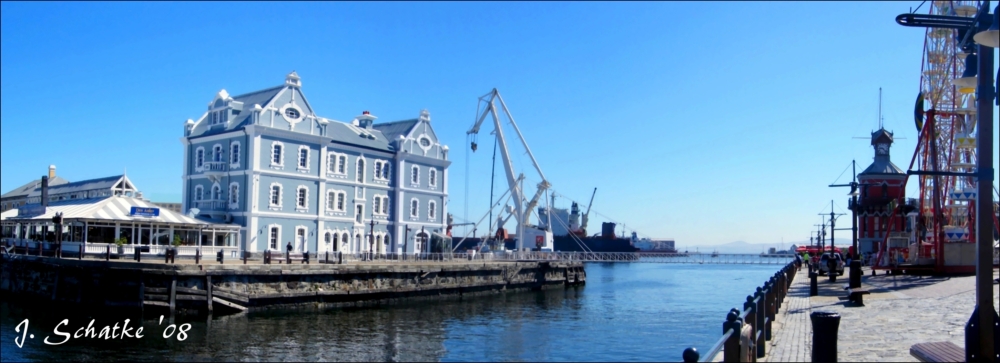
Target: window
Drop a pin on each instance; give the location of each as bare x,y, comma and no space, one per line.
199,158
414,207
331,163
303,157
378,170
291,113
217,153
342,164
216,192
378,205
343,238
361,170
331,198
431,209
276,157
385,205
340,201
359,213
301,194
198,192
275,233
381,170
425,142
432,177
275,196
415,175
300,239
234,192
335,200
328,239
234,152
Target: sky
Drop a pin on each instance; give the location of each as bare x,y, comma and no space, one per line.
705,122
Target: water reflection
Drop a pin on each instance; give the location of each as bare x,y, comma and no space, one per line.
626,312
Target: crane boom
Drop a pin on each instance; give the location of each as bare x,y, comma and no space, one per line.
586,216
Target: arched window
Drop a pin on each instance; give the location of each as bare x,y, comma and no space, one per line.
329,240
415,175
361,170
431,209
303,157
432,177
414,208
216,192
343,238
376,208
217,153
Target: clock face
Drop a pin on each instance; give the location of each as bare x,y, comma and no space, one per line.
882,149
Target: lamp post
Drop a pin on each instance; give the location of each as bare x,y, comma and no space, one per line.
980,333
855,267
371,239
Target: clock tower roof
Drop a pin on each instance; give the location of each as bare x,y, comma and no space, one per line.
881,137
881,141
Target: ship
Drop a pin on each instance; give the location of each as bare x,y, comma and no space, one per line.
570,235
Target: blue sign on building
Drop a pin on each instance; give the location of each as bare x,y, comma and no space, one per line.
145,212
30,210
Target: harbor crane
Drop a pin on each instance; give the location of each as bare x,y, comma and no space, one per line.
522,210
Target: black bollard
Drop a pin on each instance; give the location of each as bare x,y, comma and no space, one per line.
305,257
825,325
855,279
107,256
218,256
691,355
267,257
813,288
327,256
244,257
288,257
197,256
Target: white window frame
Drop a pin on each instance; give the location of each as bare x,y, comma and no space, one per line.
304,206
217,156
299,161
414,208
431,210
415,176
199,193
277,240
330,238
270,196
359,169
216,196
334,165
385,205
199,158
234,155
281,155
359,214
234,195
432,178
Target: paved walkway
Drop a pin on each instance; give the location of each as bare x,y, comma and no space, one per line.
901,310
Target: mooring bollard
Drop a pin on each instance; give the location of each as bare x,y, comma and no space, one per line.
691,355
218,256
288,257
107,254
197,256
832,268
327,256
825,325
267,257
813,284
245,257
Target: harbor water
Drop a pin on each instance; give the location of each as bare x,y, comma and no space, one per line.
625,312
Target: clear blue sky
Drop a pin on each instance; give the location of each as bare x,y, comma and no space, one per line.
707,122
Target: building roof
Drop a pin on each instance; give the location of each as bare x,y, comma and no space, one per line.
882,166
26,189
114,208
83,185
392,130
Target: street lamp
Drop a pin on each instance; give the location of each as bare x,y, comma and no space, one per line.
979,332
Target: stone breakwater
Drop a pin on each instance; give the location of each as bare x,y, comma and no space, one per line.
187,288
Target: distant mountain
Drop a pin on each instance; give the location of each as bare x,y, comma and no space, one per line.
742,247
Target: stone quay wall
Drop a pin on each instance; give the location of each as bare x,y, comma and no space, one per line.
189,288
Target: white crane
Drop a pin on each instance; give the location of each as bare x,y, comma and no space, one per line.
522,211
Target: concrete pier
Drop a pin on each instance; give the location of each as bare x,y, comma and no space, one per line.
231,287
901,310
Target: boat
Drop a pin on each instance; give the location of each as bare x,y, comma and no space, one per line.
570,235
715,253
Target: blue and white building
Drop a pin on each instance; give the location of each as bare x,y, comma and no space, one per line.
266,161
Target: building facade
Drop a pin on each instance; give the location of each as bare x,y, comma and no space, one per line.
267,162
881,189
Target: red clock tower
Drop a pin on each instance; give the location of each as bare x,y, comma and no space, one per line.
882,189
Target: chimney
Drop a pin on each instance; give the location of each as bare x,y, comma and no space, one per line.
52,171
45,190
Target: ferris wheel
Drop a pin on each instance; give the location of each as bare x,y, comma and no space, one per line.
945,116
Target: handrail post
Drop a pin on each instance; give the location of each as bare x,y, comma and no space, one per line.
761,321
731,349
770,300
750,307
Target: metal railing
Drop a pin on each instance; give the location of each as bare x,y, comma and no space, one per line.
745,332
212,204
